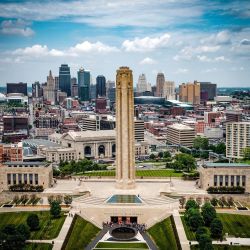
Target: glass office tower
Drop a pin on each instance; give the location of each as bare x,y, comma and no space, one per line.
65,79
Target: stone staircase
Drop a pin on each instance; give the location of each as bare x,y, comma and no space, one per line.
91,200
158,201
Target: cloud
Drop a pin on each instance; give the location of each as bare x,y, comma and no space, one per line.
221,38
245,42
148,60
146,43
16,27
204,58
210,70
87,46
181,71
188,52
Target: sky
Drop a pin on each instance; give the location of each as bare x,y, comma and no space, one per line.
187,40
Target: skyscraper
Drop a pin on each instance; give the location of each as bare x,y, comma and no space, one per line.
100,86
74,87
65,79
208,91
160,80
49,89
190,92
169,90
83,84
142,85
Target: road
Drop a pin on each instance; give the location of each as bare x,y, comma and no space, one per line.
151,139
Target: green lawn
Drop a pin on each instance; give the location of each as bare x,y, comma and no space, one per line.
49,228
190,234
163,235
82,234
235,224
125,245
223,247
36,246
139,173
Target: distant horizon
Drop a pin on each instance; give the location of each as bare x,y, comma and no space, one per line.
185,39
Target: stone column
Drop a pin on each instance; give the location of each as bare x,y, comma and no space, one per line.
125,156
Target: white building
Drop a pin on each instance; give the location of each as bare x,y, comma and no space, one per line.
237,139
142,84
169,90
49,89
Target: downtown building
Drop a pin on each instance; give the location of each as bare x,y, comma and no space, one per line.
20,88
237,139
65,79
83,77
208,91
100,86
49,91
142,84
190,93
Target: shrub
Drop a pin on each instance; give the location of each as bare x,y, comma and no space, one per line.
33,222
67,199
214,201
25,188
191,204
226,190
200,231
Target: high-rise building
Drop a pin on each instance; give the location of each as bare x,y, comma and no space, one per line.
237,139
49,92
233,115
20,88
56,83
74,87
207,91
169,90
37,90
180,134
92,91
83,85
100,86
142,85
190,92
160,81
65,79
109,85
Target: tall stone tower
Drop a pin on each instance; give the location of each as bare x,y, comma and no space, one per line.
125,153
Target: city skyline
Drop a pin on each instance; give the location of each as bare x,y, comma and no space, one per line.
186,40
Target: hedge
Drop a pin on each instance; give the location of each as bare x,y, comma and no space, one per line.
226,190
26,188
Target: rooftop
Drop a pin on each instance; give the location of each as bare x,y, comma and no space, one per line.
35,163
226,165
39,142
92,134
179,126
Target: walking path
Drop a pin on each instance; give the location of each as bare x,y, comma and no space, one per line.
99,236
58,241
181,232
149,241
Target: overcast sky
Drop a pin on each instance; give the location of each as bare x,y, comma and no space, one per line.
186,39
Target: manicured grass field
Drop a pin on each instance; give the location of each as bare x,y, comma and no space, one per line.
163,235
190,234
36,246
49,228
235,224
82,234
223,247
125,245
139,173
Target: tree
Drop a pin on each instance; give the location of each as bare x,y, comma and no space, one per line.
191,204
214,201
188,161
166,154
24,230
200,143
67,199
59,199
182,201
160,154
199,201
33,199
216,228
208,213
195,221
230,201
152,156
220,148
51,198
33,222
200,231
55,209
246,153
205,242
15,199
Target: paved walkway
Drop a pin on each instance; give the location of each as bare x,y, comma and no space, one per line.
58,241
180,230
149,241
99,236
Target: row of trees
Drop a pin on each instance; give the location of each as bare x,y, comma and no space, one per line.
67,168
58,198
204,223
